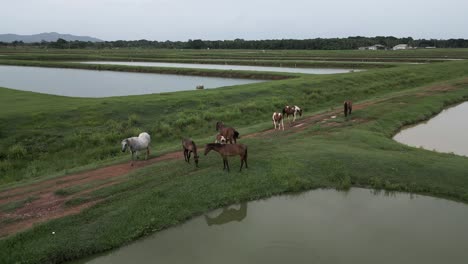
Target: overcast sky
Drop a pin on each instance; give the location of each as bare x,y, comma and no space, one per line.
247,19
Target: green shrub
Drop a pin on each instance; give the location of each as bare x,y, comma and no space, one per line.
17,151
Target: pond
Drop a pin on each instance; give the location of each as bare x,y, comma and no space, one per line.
225,67
446,132
320,226
89,83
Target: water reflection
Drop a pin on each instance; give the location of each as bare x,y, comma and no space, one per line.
445,132
88,83
229,214
320,226
227,67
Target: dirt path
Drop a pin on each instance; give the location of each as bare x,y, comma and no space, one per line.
41,201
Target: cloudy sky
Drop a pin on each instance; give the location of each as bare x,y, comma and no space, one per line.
247,19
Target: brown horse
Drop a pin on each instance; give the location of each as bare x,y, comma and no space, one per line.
226,150
292,110
189,147
278,118
348,107
228,133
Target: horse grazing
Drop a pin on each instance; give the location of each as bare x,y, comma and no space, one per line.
348,107
136,144
226,150
228,133
189,147
220,139
292,110
278,118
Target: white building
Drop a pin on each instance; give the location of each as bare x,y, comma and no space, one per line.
373,47
401,47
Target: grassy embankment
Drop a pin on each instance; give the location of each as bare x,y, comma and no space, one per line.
285,58
45,133
338,156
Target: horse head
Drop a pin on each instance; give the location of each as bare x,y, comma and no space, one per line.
124,144
208,148
219,125
196,160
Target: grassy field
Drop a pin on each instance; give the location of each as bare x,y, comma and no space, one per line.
51,135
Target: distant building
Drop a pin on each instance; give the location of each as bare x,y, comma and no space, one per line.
430,47
401,47
373,47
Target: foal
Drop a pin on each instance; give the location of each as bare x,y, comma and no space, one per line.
278,118
228,133
189,146
226,150
348,107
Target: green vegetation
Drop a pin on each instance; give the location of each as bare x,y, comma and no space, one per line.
47,135
48,131
16,204
276,44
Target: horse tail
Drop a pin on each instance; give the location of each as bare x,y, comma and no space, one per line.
236,134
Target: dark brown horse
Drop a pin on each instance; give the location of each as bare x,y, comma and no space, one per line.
228,133
189,147
348,107
292,110
226,150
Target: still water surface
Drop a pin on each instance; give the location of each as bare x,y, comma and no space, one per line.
320,226
225,67
446,132
89,83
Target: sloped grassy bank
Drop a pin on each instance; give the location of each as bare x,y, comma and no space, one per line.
51,134
345,154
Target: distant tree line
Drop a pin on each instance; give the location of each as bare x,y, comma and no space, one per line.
275,44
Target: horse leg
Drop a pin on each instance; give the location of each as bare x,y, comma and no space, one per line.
185,155
282,123
227,163
242,163
345,110
147,153
224,164
188,155
350,109
131,164
274,123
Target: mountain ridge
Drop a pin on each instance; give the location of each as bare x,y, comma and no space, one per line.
46,36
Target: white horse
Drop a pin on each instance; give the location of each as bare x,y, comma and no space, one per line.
278,119
136,144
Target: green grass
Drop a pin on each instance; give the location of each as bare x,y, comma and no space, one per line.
46,132
49,134
12,206
168,193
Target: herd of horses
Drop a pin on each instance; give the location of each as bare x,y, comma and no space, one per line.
225,135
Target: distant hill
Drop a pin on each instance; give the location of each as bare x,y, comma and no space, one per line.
51,36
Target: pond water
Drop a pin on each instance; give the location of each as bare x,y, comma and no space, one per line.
88,83
320,226
446,132
225,67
